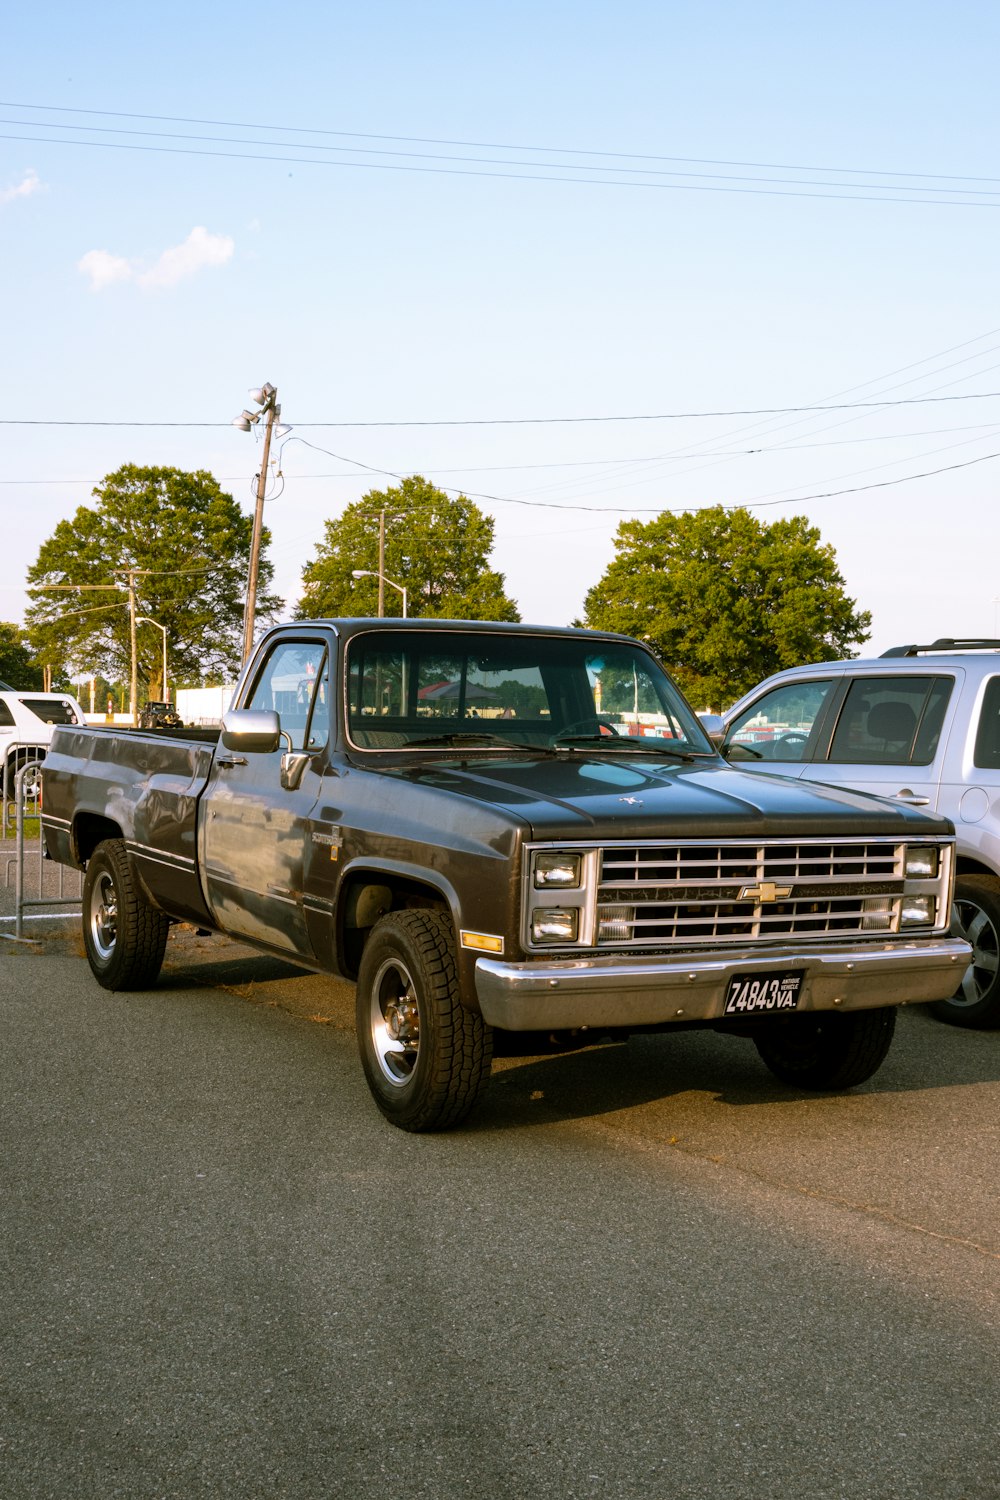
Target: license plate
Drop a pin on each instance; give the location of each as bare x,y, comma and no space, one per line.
749,993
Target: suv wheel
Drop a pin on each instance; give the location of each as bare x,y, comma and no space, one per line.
975,916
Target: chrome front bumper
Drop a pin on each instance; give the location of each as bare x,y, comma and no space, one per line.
636,990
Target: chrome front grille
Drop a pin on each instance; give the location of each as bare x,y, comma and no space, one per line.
643,863
670,895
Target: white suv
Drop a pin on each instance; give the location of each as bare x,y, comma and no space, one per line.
919,724
27,723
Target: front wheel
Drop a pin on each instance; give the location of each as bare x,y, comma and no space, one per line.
975,916
831,1050
426,1058
124,936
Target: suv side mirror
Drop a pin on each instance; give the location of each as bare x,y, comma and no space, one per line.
713,727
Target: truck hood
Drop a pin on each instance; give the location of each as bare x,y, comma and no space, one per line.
587,796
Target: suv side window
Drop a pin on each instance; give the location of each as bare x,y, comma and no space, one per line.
987,753
6,717
891,721
779,726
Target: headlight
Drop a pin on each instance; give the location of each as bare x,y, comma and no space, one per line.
922,862
557,869
918,911
551,924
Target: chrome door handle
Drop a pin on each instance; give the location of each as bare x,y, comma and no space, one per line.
910,798
230,760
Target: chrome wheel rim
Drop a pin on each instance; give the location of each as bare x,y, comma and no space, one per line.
970,921
104,916
394,1023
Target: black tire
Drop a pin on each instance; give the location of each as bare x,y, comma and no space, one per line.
831,1050
124,936
975,916
16,762
426,1058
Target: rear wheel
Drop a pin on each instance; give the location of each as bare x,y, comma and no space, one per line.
975,916
832,1050
124,936
16,762
426,1058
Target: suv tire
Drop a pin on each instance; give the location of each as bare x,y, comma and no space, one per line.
976,917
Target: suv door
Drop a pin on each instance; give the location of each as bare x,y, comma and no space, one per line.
889,735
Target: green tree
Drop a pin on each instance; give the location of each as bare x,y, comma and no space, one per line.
725,599
190,544
16,664
437,547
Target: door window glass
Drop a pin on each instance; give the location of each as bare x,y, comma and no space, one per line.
891,721
294,683
988,735
780,725
6,717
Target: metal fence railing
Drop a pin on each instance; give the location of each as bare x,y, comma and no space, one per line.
42,890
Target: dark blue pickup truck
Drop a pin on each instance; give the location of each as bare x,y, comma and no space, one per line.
497,828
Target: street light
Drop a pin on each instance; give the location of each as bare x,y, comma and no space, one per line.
266,397
146,620
367,573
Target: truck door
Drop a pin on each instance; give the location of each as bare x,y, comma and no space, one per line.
254,831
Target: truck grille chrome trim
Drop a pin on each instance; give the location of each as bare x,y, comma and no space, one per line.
658,896
735,892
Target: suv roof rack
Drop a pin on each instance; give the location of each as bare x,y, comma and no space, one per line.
946,643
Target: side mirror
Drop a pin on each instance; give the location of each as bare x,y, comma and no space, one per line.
713,727
255,731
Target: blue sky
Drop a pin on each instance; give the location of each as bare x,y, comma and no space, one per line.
159,285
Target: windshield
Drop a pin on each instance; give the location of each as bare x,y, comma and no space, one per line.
466,688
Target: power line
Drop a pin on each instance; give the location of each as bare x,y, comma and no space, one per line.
663,416
586,463
536,176
620,172
492,145
659,510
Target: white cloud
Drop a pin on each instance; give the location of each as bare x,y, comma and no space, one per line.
29,184
103,268
200,250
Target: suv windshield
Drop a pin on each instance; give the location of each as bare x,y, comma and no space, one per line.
466,688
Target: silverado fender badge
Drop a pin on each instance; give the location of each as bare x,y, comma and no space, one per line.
333,839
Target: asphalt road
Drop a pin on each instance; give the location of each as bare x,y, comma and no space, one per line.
641,1271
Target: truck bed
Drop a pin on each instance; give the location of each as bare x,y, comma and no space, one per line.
147,782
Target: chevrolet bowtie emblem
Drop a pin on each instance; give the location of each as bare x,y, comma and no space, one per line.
766,891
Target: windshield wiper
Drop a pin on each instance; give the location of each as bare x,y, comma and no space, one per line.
627,744
456,738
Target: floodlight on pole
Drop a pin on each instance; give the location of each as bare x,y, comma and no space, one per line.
367,573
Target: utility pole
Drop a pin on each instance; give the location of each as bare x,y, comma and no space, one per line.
381,564
133,691
267,399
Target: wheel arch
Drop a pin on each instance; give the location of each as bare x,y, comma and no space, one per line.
965,864
368,892
89,830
